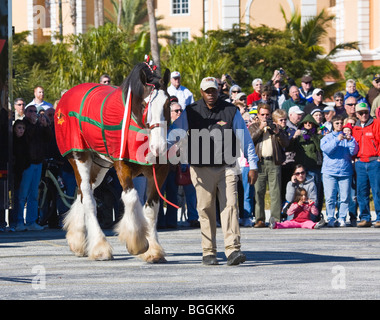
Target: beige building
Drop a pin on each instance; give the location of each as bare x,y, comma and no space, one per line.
356,20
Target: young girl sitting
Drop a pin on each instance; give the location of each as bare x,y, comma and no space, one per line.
301,209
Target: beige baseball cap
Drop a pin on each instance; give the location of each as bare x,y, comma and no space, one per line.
209,82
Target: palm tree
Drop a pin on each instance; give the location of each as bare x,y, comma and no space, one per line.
308,35
153,35
197,59
128,13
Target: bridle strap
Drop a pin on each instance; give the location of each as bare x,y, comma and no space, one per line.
155,125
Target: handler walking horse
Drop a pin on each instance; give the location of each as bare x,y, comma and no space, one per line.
99,126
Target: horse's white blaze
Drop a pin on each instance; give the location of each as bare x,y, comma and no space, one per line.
157,140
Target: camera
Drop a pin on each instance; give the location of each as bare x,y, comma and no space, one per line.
282,72
304,131
270,124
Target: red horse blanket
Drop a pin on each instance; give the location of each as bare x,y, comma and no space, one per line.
98,117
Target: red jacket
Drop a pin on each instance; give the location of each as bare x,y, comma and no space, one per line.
368,139
254,96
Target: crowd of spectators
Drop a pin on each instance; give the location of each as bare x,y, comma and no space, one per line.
312,153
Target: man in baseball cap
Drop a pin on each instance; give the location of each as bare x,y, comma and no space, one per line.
211,156
183,94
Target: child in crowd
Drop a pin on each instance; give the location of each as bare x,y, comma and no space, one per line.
301,209
347,130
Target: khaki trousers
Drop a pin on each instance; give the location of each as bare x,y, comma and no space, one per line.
210,182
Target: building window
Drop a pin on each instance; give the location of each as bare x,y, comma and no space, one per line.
180,6
180,36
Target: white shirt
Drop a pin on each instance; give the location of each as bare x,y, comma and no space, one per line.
43,104
184,95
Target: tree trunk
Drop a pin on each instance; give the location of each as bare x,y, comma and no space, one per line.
153,35
96,14
73,15
101,12
120,9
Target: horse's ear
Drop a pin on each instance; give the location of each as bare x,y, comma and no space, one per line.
166,77
142,77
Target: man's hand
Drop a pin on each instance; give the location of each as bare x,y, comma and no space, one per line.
252,176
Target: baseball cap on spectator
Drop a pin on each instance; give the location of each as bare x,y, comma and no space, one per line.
295,109
175,74
376,77
315,110
209,82
328,109
317,90
306,78
240,95
362,106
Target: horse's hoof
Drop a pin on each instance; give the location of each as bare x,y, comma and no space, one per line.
137,251
101,252
159,260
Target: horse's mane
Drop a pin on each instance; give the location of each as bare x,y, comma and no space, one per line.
134,79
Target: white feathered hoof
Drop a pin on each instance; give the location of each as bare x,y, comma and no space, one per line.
101,251
155,254
138,249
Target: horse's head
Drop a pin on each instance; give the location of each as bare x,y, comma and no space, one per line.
150,103
158,115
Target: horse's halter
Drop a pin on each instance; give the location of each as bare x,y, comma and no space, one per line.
146,119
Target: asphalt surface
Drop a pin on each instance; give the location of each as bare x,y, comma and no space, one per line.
287,264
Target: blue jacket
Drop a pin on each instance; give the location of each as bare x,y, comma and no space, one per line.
337,155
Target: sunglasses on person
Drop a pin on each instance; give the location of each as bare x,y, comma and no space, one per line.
20,104
338,99
360,113
177,110
299,173
236,91
350,104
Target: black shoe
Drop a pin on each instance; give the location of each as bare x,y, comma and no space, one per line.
210,260
236,258
194,224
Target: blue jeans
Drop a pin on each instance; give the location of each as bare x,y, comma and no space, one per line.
169,187
368,177
28,193
191,202
249,194
316,173
332,186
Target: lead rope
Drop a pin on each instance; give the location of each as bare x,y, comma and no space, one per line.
158,189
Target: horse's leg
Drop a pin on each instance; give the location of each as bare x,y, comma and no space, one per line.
155,253
132,228
74,219
97,245
90,176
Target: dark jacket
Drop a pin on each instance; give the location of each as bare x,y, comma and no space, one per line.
37,138
217,121
307,145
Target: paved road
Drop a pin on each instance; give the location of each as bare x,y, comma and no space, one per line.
339,263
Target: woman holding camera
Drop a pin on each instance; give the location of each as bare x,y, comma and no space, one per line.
338,150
